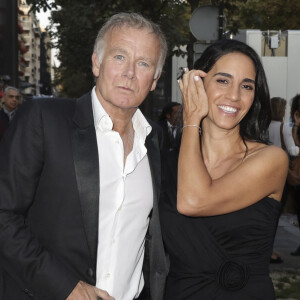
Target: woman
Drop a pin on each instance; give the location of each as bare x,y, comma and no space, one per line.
278,106
220,233
295,117
280,134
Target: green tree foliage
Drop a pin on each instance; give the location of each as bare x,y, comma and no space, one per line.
269,14
78,21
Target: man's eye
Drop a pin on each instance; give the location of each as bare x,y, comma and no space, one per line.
144,64
119,57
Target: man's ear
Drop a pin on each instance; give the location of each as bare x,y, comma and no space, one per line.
154,83
95,64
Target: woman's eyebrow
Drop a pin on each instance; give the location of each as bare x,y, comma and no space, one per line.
223,74
230,76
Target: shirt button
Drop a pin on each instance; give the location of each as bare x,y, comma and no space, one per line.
107,275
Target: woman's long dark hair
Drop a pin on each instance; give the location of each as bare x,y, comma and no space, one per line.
254,126
295,106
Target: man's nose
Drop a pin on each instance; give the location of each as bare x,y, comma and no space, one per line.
129,71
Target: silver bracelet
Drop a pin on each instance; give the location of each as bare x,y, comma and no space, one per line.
192,126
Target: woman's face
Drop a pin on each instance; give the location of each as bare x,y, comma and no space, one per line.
230,88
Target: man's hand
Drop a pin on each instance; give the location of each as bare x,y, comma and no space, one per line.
84,291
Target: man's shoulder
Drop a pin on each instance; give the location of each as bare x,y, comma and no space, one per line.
55,102
3,115
163,124
155,126
156,130
46,108
49,104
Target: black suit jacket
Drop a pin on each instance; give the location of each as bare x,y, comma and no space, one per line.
49,193
4,122
170,160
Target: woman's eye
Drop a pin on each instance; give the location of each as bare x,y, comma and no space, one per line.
222,81
248,87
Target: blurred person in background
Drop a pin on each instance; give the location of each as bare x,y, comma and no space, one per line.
278,107
171,122
280,134
295,117
10,101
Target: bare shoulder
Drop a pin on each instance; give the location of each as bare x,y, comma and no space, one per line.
268,160
267,157
269,164
266,152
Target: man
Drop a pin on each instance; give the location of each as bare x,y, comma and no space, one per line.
81,179
11,97
170,120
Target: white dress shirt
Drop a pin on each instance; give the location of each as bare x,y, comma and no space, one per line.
125,202
274,136
172,129
10,114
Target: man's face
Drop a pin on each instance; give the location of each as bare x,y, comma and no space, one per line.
11,100
175,116
126,73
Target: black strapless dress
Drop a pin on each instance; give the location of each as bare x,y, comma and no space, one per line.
220,257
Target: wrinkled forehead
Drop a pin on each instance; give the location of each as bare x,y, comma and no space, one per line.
124,28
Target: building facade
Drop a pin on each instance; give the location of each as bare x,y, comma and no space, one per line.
25,58
30,83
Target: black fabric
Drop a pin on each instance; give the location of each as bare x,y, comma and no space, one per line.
170,153
220,257
143,296
4,122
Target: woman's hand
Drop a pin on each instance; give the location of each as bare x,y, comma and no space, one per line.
194,98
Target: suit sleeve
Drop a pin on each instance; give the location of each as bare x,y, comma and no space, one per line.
34,269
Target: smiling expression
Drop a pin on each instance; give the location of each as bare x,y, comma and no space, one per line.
126,73
230,88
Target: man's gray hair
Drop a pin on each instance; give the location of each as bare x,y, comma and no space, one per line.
133,20
8,88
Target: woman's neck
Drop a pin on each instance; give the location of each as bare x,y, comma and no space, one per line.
221,149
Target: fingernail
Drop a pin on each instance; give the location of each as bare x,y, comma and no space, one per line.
185,69
196,78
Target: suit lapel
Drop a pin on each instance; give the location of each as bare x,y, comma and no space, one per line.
85,153
152,146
